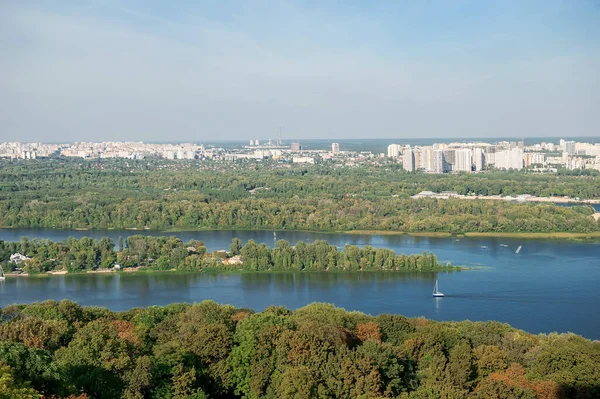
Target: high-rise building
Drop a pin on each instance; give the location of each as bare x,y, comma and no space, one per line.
426,159
393,150
295,147
569,147
478,159
418,155
533,158
438,161
335,148
509,159
449,159
408,160
462,161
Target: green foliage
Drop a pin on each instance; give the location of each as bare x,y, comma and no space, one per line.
236,246
170,253
9,389
319,351
110,194
97,359
31,367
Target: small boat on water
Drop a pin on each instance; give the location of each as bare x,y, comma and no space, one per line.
436,291
503,245
483,247
518,249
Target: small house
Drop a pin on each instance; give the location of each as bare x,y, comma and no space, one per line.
18,258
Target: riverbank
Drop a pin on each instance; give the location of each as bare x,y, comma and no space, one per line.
224,271
549,236
437,234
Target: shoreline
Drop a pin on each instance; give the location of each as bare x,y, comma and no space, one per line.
595,235
548,236
143,270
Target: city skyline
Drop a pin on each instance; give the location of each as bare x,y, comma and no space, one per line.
101,71
438,158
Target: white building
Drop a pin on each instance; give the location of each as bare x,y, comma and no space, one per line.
462,160
394,150
533,158
310,160
408,160
18,258
478,159
426,159
438,161
335,148
569,147
509,159
575,163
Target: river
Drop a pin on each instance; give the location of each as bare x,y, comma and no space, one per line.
548,286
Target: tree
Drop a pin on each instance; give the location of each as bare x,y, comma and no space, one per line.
297,383
177,257
9,389
33,367
97,360
235,247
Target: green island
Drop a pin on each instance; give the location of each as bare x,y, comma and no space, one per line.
206,350
190,195
171,253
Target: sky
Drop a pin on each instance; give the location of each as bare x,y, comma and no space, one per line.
188,70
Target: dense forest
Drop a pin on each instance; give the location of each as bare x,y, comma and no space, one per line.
208,350
168,253
164,195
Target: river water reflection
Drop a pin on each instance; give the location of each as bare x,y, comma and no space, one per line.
548,286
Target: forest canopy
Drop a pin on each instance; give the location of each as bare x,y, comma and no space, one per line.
171,253
207,350
210,195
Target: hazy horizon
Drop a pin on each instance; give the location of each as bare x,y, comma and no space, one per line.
98,70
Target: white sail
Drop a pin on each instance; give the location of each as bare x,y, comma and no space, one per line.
436,291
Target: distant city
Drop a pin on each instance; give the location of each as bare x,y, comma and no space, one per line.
433,158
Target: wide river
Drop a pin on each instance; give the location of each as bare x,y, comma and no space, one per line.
548,286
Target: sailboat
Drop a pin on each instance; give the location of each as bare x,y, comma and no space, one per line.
2,274
436,291
518,249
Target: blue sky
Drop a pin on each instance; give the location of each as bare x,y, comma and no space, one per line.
205,70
